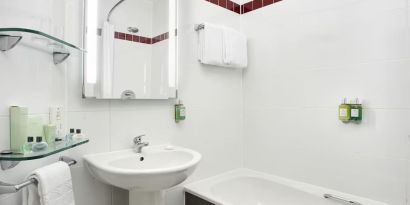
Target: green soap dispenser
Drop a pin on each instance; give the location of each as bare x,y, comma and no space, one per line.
356,112
344,111
179,111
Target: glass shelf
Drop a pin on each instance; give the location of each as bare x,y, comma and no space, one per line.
60,49
40,34
52,149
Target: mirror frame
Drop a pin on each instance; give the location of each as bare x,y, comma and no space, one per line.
89,81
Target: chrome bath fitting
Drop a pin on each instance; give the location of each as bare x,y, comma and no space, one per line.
8,42
341,199
133,29
112,10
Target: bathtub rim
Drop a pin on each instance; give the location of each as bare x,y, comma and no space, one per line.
202,188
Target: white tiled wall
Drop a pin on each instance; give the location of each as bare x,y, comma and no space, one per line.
304,57
213,98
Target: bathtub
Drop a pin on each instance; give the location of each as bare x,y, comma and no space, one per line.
248,187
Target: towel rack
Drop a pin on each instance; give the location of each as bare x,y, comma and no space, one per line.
199,27
6,188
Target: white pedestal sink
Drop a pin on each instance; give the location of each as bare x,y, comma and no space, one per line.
145,175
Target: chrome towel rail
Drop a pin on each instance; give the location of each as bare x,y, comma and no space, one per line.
6,188
341,199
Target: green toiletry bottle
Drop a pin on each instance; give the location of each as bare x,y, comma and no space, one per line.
179,112
344,111
356,112
18,127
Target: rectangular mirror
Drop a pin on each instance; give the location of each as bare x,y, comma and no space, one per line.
131,49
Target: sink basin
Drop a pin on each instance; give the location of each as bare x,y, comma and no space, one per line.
155,169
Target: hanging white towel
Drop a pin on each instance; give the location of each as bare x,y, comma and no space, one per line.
108,60
235,48
210,45
54,186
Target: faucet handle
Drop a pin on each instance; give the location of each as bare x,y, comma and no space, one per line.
138,139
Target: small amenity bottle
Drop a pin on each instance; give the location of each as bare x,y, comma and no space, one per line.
69,136
39,145
28,146
344,111
78,135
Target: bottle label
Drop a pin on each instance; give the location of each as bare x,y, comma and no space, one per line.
355,113
182,112
343,112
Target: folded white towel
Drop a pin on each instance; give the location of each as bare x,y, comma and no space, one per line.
210,45
235,48
108,60
54,186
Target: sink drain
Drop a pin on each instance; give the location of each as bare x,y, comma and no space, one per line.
141,159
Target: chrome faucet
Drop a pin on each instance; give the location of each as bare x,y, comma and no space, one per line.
138,144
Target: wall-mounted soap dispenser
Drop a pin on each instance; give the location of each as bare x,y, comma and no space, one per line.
344,111
350,110
179,111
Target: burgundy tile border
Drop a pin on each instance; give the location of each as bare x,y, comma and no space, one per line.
244,8
141,39
227,4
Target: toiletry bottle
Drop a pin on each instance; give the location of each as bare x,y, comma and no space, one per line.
18,127
39,145
50,133
356,110
344,111
179,111
69,136
28,146
78,135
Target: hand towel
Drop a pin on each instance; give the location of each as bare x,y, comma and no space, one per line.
235,48
210,45
54,186
108,60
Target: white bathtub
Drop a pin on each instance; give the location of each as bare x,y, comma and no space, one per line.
247,187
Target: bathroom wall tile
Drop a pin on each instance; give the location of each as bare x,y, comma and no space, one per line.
157,124
222,132
96,127
334,35
367,158
36,84
316,53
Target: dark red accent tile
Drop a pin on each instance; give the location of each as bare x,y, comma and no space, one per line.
116,35
166,35
275,1
121,36
248,7
257,4
223,3
267,2
128,37
237,8
214,1
143,39
135,38
229,5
